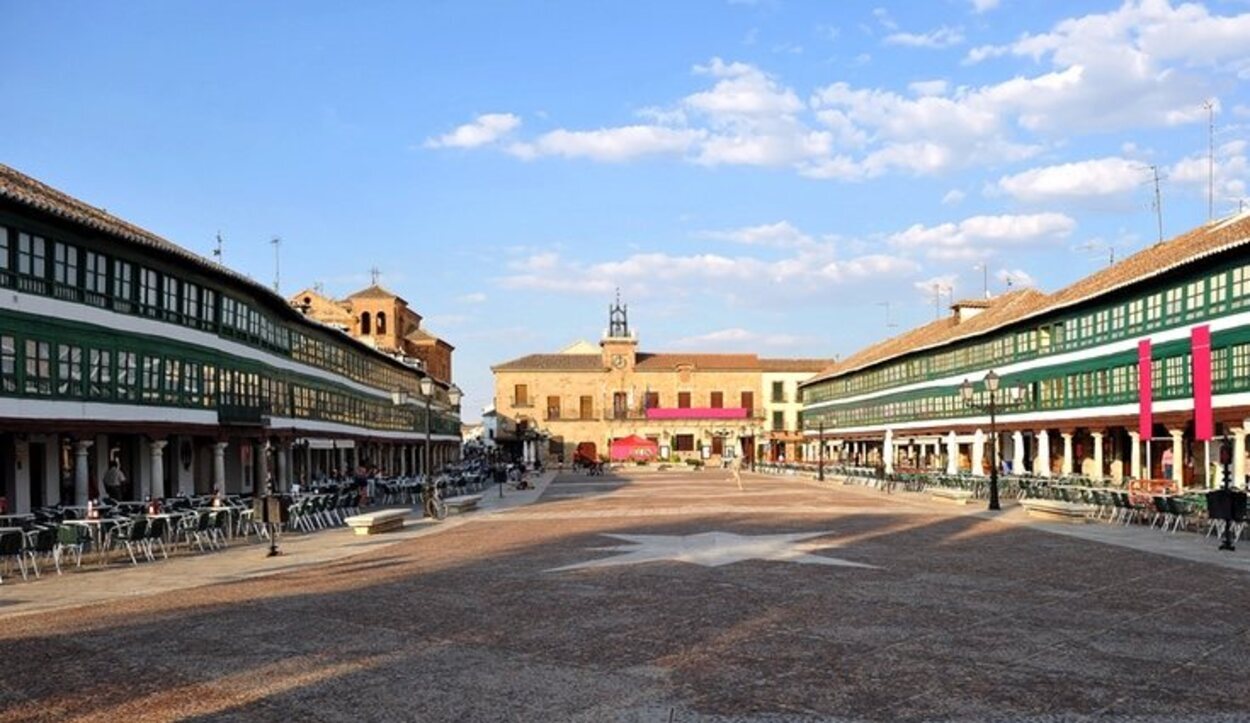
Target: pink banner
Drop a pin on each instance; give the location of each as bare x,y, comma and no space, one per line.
698,413
1204,420
1146,424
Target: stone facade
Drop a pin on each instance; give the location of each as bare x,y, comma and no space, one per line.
694,406
383,320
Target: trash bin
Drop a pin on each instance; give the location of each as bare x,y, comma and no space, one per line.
270,509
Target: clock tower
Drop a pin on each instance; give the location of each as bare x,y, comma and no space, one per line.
619,343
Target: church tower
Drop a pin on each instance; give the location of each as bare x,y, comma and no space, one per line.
619,343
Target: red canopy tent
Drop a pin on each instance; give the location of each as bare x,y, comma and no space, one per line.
634,447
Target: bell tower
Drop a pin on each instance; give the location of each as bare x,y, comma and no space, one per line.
619,344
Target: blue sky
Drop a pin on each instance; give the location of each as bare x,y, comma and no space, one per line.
762,176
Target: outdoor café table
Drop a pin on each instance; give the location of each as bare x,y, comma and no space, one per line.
20,519
96,527
170,518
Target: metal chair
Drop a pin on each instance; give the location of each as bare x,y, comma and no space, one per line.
12,548
130,536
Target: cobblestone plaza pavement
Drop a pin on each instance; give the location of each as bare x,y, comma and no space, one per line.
667,596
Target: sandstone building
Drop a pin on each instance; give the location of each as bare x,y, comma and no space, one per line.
383,320
692,406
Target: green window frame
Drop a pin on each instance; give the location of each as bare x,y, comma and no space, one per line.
149,291
31,256
5,263
152,377
100,374
8,364
69,375
64,264
1240,296
38,359
127,375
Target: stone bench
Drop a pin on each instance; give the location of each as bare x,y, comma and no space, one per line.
1058,510
375,523
463,503
947,494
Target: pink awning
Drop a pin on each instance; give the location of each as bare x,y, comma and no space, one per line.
698,413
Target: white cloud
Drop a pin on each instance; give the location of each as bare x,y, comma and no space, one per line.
610,144
883,17
938,38
741,89
782,234
1100,72
807,269
1231,171
1015,278
953,197
476,297
978,235
737,338
928,87
485,129
943,285
980,6
1081,180
1128,67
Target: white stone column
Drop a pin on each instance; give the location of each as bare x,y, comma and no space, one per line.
1017,453
952,453
1041,462
1098,474
1067,453
157,450
282,462
82,471
978,453
1134,464
887,451
1239,456
219,466
1178,456
21,478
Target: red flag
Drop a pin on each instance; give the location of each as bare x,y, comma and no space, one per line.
1146,425
1200,347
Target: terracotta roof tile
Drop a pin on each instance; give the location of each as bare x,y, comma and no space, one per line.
552,363
374,291
22,189
1016,306
17,186
720,362
1004,308
794,365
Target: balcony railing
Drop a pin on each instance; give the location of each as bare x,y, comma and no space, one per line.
521,402
575,415
244,414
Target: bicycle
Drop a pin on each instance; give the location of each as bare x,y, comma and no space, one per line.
432,502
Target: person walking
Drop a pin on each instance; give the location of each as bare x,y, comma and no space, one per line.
114,478
735,471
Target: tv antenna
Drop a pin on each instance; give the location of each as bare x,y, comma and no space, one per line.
889,322
217,248
1210,107
1158,201
277,243
985,277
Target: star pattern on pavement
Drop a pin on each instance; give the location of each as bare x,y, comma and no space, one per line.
714,549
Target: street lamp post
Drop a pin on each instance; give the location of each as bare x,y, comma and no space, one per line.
820,468
991,386
427,391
